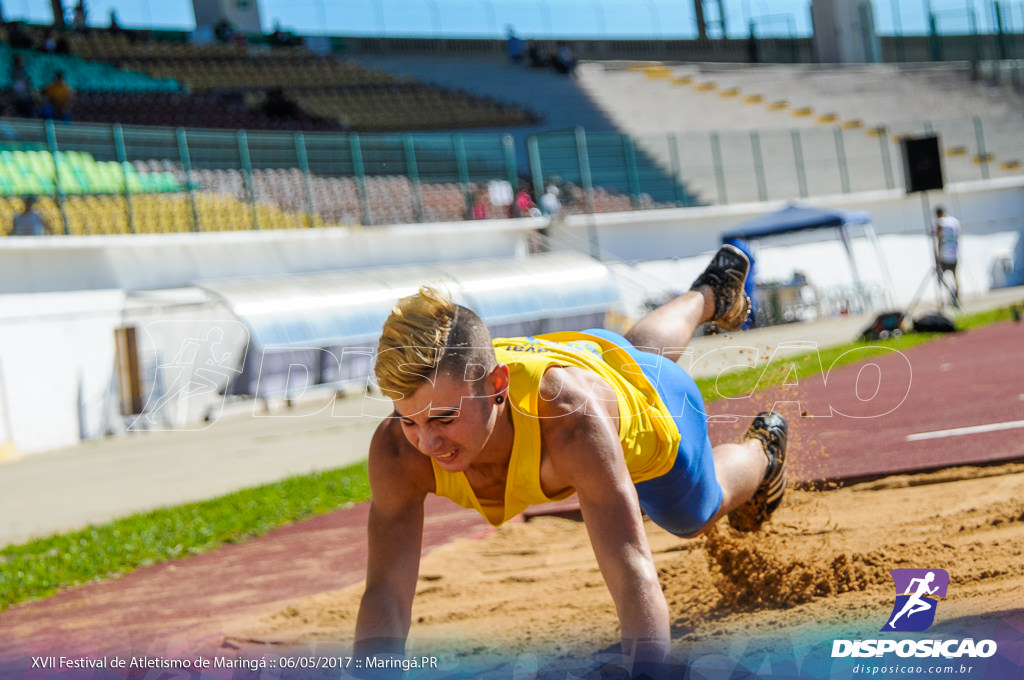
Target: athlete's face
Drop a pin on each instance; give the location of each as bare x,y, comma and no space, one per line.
452,419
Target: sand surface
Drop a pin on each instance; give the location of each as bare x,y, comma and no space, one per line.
533,590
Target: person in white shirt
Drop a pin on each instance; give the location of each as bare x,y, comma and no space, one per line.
549,202
947,249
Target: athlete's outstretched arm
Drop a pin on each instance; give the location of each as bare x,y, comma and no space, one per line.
586,453
395,538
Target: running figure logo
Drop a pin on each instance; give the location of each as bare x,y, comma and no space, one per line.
914,610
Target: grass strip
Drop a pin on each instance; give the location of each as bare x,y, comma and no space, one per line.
744,381
41,567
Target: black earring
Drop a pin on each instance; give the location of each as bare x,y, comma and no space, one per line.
499,399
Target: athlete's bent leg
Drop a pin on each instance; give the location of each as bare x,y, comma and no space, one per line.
669,329
740,468
716,296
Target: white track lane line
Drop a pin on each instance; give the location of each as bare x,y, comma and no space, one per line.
960,431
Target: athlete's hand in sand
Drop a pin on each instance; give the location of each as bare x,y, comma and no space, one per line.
580,432
400,481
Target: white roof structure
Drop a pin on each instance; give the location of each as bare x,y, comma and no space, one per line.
347,307
314,330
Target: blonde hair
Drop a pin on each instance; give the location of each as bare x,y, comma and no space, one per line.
428,333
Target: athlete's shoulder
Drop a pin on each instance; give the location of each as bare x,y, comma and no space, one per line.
579,423
572,393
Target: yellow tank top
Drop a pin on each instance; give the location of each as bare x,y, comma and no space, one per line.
648,434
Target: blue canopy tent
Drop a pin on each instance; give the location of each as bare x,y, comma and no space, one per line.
794,218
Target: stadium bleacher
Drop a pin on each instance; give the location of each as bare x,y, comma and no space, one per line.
281,198
82,75
225,111
747,133
331,89
696,134
37,172
155,214
225,87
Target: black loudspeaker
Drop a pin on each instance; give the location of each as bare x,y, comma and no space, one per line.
922,164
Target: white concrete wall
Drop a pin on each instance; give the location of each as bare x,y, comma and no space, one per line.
982,207
57,359
62,298
670,247
824,263
190,347
145,262
58,363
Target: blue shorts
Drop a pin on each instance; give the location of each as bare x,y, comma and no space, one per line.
686,497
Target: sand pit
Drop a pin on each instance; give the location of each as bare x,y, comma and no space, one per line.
533,590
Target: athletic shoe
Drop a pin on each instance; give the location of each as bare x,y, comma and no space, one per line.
771,429
725,276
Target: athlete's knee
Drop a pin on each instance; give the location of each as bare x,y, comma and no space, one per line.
703,531
684,523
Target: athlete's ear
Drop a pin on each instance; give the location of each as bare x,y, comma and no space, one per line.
498,380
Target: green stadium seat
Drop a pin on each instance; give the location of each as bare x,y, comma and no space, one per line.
33,172
82,75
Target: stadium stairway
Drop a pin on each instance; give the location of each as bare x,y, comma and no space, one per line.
709,97
696,101
560,101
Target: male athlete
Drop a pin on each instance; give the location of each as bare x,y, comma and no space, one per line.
498,425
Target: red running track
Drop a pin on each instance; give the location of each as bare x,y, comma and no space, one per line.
178,609
858,417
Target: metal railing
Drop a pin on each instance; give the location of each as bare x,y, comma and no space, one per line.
318,178
243,180
719,168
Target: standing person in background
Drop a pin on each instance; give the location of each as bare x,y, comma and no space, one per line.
552,207
523,205
534,56
564,60
481,205
947,250
550,204
28,222
79,22
514,47
750,287
224,31
21,85
57,98
49,45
